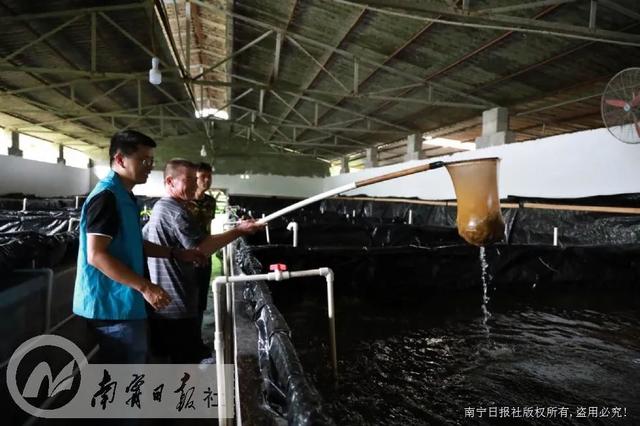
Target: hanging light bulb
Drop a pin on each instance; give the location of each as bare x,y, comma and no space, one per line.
155,76
203,152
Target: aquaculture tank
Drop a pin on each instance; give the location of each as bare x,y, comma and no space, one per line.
542,327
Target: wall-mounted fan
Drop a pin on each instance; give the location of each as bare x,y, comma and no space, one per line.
621,105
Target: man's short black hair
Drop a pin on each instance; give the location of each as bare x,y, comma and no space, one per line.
205,167
127,142
174,165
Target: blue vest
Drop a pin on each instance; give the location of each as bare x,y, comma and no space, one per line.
95,295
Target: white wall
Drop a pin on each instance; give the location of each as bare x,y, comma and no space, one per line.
282,186
40,178
271,185
573,165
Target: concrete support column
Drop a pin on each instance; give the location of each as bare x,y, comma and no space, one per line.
61,159
371,159
495,128
344,165
14,149
414,147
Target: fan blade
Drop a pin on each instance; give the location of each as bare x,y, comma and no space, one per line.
616,102
635,101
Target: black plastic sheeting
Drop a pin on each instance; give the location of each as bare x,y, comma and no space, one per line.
375,254
359,234
41,238
14,202
31,249
523,225
617,200
37,238
287,390
371,272
42,222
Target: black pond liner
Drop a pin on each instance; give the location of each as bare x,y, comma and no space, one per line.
286,388
38,239
399,276
366,243
523,225
14,202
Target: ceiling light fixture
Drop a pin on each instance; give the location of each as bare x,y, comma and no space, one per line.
155,76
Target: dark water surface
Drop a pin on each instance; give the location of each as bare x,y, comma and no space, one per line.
544,356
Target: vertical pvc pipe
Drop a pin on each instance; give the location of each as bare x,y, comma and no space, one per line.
77,202
293,226
228,304
228,322
410,222
555,235
24,204
266,230
72,220
225,270
230,256
332,324
219,348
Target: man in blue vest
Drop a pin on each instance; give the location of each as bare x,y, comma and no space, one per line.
110,288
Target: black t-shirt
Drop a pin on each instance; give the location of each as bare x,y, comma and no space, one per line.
102,214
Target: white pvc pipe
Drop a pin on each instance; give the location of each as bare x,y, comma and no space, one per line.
328,275
78,202
294,226
24,204
266,230
410,221
72,220
226,250
218,344
308,201
555,235
225,270
218,282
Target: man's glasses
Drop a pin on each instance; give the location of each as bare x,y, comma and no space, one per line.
147,162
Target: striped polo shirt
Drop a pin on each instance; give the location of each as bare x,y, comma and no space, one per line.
171,224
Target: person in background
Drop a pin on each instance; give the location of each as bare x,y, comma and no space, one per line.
203,208
175,330
110,287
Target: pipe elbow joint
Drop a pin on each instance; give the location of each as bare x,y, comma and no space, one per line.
218,281
326,272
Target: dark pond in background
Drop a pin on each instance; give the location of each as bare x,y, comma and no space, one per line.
542,356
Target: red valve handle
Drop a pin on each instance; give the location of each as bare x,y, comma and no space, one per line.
278,267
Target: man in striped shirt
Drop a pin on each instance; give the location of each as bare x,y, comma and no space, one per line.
175,330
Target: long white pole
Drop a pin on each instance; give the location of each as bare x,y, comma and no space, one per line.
308,201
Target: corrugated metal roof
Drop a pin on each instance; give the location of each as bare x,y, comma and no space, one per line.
518,70
286,70
76,99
